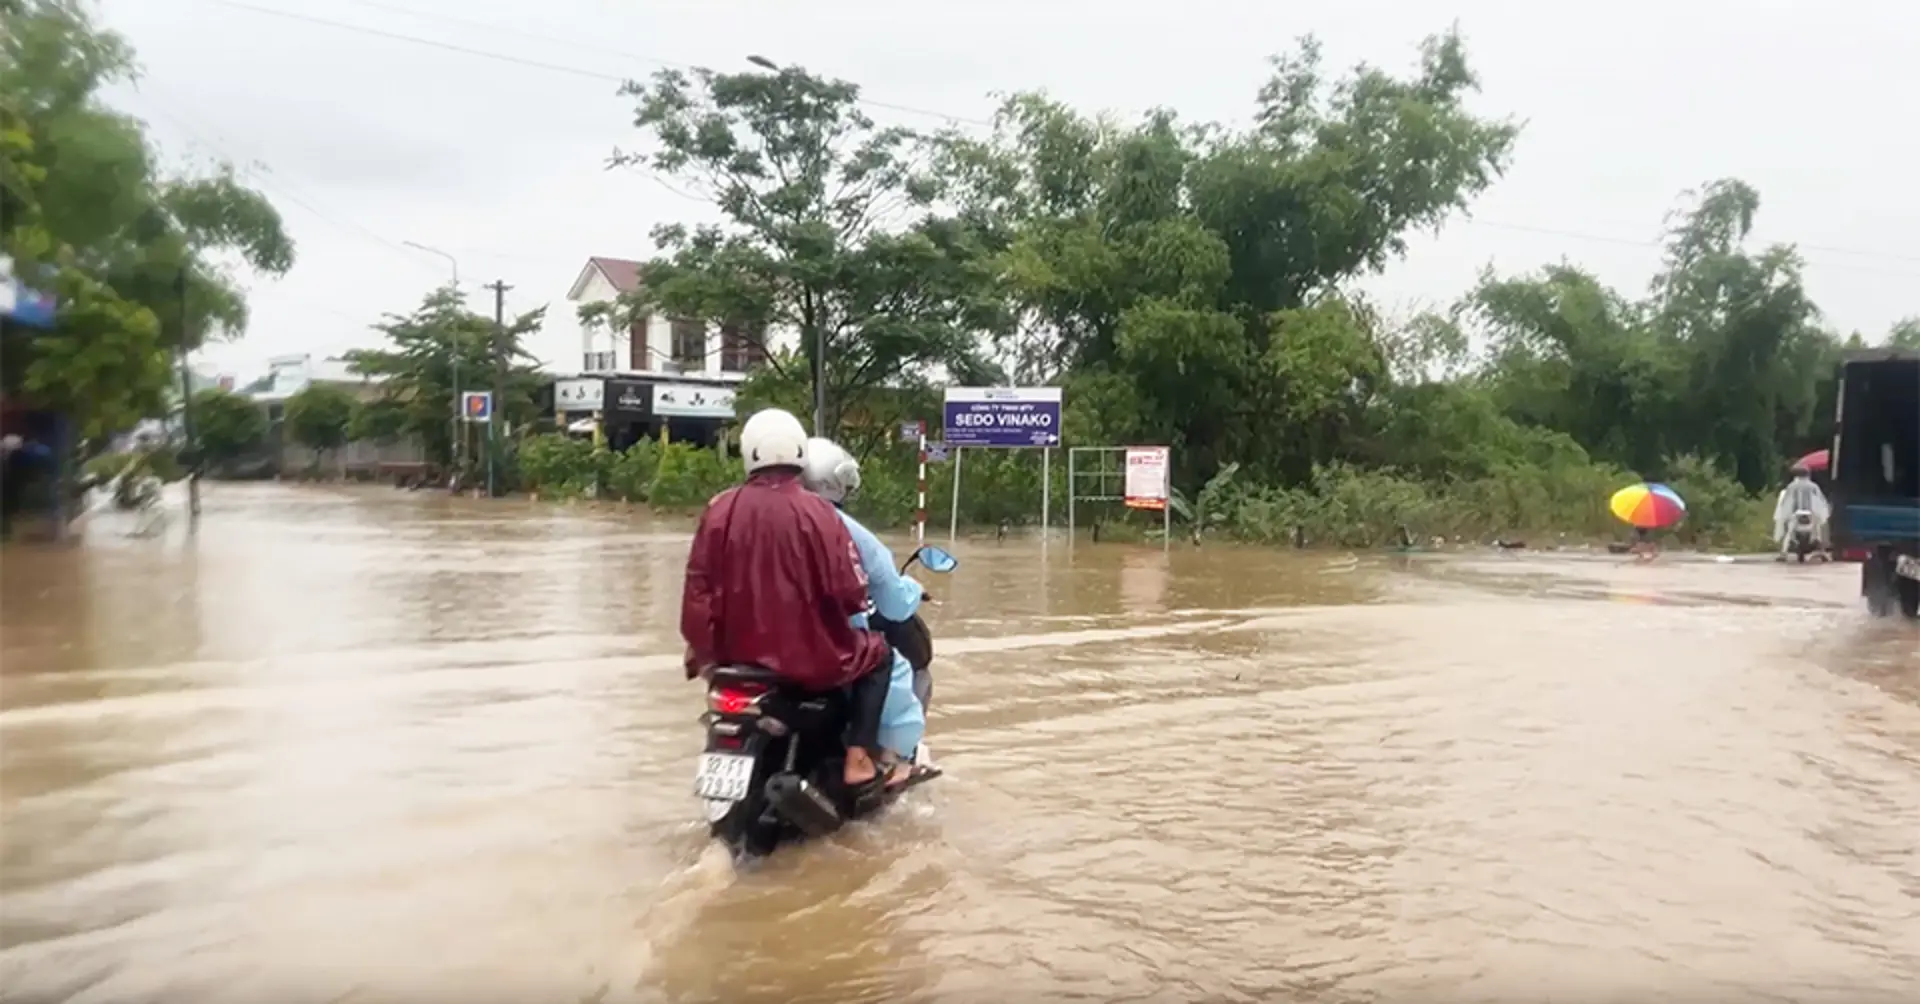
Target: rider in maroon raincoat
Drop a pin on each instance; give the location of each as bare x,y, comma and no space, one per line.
773,579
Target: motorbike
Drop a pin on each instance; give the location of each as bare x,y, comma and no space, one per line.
1803,538
771,772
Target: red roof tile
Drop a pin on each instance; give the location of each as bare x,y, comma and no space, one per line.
624,274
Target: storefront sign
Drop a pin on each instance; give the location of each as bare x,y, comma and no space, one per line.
685,400
626,400
579,394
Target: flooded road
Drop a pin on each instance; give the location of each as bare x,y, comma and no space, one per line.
364,745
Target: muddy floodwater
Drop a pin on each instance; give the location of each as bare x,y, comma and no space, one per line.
358,745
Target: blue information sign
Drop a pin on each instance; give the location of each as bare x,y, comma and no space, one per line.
477,406
1002,416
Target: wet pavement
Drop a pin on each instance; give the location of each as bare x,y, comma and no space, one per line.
364,745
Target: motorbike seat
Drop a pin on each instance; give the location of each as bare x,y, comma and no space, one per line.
745,674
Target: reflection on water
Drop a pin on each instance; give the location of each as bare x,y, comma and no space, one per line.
365,745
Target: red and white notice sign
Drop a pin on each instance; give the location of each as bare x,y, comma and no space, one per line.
1147,477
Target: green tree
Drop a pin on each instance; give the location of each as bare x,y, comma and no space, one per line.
1905,334
318,416
416,369
1749,331
380,421
1186,282
226,426
829,231
1723,360
135,255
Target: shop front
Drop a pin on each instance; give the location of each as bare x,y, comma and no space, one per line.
577,403
626,411
693,413
629,409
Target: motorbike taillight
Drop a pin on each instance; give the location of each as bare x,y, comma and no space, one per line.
734,698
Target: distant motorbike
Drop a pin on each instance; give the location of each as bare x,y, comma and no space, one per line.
1803,537
771,771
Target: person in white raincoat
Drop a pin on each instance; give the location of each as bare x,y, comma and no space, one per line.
1800,494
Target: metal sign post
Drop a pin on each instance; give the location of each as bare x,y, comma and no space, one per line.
953,519
476,406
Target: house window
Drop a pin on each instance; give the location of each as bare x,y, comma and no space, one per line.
690,344
598,362
741,348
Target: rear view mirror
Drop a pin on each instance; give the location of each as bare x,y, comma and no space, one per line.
936,559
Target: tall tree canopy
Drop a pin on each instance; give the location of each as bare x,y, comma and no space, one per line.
416,370
135,254
1187,281
829,230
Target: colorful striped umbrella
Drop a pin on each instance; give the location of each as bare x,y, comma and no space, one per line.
1648,506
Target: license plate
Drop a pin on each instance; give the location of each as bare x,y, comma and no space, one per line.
1907,566
723,776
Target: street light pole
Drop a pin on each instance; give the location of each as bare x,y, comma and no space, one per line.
456,430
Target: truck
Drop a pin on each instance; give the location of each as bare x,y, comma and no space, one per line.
1875,472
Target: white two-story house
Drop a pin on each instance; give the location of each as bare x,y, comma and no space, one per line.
656,371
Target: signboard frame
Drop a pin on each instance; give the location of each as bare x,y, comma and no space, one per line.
1139,492
1005,418
1106,481
1001,417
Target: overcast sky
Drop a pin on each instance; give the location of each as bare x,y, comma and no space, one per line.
366,141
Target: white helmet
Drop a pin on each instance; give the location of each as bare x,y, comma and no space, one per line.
831,471
773,438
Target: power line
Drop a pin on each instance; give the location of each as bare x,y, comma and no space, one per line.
260,175
906,109
638,56
532,63
655,60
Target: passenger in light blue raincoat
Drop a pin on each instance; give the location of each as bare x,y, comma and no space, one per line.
833,474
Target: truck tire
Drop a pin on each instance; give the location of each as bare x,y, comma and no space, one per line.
1878,584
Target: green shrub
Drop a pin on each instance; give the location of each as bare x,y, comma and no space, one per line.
1540,489
630,472
560,467
1720,513
686,476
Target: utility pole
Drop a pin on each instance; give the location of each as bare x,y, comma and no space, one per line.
186,404
499,287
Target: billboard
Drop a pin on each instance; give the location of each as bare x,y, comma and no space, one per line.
1146,483
1001,417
